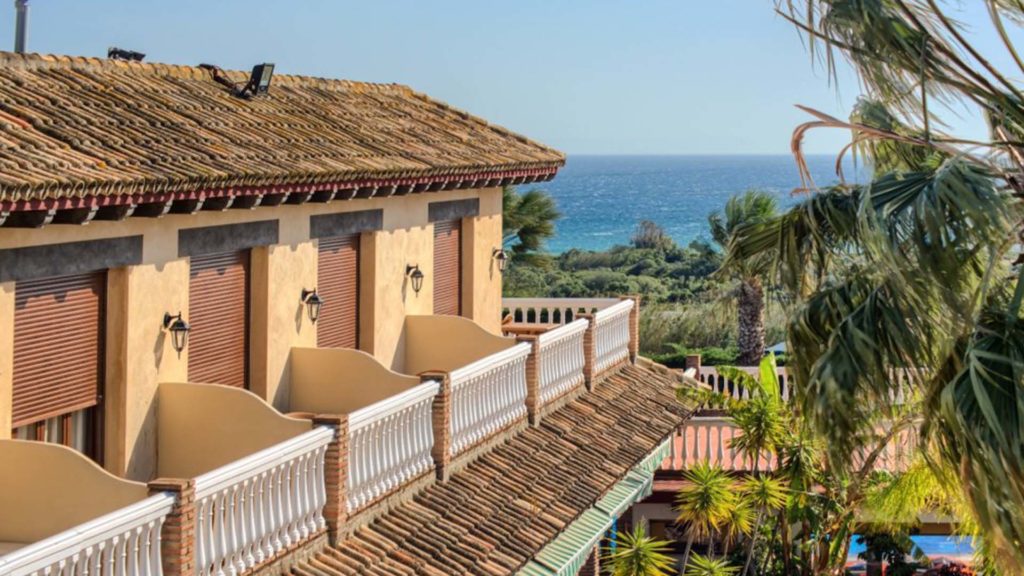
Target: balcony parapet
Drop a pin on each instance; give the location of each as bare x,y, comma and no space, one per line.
67,515
255,477
386,418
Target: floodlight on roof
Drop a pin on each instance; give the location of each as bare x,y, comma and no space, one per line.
259,79
115,53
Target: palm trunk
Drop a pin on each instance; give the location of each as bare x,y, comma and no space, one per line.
753,542
806,549
787,544
686,552
751,321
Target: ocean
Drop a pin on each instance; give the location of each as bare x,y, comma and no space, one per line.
603,197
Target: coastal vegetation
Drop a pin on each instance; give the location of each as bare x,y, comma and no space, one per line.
686,309
919,267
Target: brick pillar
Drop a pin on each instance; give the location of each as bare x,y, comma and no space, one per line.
178,536
588,351
634,326
532,378
693,361
335,474
592,567
441,417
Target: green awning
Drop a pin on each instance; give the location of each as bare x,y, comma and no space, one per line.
566,554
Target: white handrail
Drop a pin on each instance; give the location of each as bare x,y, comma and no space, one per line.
126,541
389,444
611,335
487,395
553,310
709,374
252,509
560,361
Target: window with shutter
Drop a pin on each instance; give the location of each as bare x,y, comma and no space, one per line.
448,267
218,349
59,336
338,286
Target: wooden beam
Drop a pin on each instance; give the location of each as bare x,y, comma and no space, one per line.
188,206
153,209
346,194
273,199
385,191
116,212
366,192
298,198
218,204
77,216
30,218
323,196
247,202
403,189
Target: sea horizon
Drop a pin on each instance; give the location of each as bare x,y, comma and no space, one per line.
676,191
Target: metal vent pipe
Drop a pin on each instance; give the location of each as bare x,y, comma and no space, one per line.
21,25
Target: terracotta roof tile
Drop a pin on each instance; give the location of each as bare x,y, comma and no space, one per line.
494,515
87,126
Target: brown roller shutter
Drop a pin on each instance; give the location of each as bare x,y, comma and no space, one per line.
338,286
58,345
218,303
448,267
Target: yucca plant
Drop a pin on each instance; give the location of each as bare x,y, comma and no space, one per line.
637,554
704,503
916,268
704,566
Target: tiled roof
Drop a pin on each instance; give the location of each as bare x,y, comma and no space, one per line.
75,127
494,515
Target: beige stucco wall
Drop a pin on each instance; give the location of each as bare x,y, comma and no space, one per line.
46,489
447,342
140,355
203,427
336,381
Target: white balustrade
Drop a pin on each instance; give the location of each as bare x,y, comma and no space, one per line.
902,377
611,335
553,310
487,396
389,444
560,361
123,543
254,508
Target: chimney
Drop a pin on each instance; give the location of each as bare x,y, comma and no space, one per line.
21,25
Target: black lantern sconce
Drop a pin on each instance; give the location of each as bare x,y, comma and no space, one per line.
313,303
179,330
415,276
501,257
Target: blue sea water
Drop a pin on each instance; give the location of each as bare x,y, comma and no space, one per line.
603,197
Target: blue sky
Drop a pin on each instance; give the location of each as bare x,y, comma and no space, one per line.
585,76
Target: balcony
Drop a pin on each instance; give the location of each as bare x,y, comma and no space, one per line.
242,486
62,514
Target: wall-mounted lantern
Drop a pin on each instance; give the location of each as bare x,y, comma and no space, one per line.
179,330
415,276
501,257
313,303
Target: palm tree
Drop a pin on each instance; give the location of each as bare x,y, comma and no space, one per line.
738,524
704,503
749,208
703,566
637,554
912,269
528,219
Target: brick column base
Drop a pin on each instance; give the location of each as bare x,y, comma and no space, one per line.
634,327
532,379
588,351
178,536
335,474
441,418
